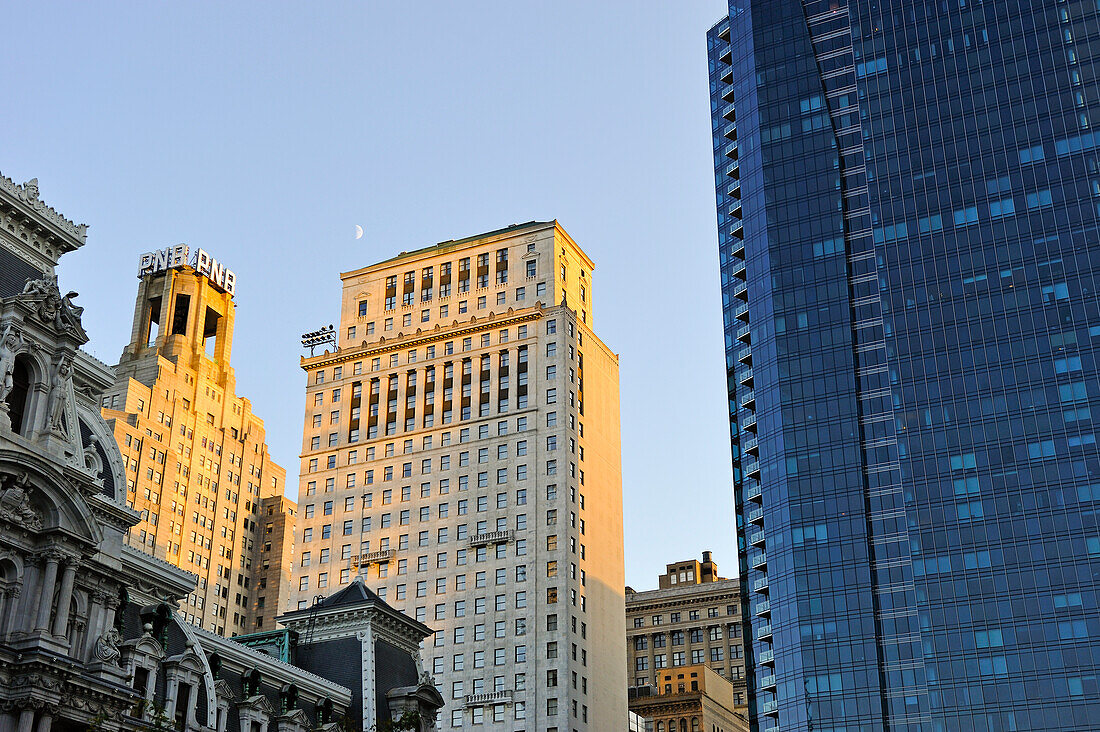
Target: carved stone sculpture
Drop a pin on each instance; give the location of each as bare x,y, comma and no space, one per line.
44,297
9,344
59,382
15,501
91,457
106,647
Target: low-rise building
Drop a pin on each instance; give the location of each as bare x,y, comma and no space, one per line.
688,699
693,618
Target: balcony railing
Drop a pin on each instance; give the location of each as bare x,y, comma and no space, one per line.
492,537
489,697
382,555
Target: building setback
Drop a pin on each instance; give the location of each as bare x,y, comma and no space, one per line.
197,465
693,618
907,219
461,454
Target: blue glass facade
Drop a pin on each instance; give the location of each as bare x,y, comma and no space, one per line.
909,237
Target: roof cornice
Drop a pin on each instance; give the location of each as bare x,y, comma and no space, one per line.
60,233
439,333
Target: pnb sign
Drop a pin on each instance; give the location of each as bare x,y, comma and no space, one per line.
178,256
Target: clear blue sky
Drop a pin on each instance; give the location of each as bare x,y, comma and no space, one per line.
265,132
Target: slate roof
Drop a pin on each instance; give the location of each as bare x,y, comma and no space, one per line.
355,593
14,273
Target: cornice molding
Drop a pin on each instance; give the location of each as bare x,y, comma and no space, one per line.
23,199
440,333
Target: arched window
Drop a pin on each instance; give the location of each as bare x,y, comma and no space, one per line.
10,582
20,391
695,725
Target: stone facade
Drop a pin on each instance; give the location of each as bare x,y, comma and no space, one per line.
461,454
688,699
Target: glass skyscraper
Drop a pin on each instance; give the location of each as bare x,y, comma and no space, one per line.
909,232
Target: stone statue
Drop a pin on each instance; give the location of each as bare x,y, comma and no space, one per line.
15,501
70,313
38,288
9,344
106,646
58,385
45,297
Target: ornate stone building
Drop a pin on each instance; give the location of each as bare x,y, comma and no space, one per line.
90,637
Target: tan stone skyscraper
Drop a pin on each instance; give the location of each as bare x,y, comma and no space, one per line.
461,451
198,468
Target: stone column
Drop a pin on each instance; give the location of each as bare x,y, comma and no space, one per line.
26,720
65,598
170,693
7,618
95,623
7,722
45,593
45,721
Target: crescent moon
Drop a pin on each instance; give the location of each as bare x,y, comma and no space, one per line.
358,231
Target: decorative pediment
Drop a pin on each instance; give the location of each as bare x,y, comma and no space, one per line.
223,691
145,646
188,661
257,705
295,718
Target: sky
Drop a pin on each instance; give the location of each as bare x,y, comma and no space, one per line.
265,132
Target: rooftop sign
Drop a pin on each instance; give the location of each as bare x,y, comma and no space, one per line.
179,256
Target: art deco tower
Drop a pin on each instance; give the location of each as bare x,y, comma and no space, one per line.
461,453
199,470
909,242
